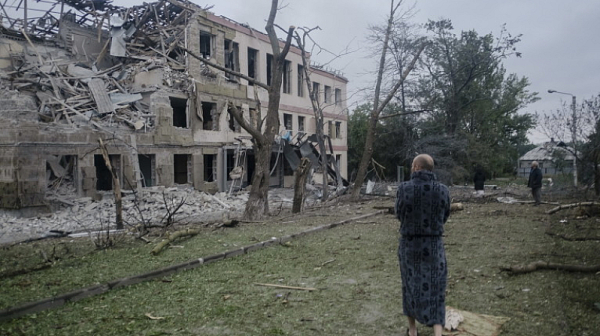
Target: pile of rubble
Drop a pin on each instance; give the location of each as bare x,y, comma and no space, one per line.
84,214
90,77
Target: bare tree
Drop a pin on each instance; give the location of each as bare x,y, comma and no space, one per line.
258,205
378,103
317,106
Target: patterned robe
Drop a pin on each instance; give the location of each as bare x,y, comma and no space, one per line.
423,206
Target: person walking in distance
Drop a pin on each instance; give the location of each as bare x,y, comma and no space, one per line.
423,207
535,182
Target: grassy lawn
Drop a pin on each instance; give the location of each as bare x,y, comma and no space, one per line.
353,267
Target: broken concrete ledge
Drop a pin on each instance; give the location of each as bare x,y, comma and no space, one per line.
80,294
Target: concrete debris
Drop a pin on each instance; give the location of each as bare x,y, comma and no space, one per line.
90,67
87,215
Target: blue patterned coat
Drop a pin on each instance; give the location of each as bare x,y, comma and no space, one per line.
423,206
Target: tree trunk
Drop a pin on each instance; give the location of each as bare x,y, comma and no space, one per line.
300,184
365,160
324,161
258,199
378,105
116,186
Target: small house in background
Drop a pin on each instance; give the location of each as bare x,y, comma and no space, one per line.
555,158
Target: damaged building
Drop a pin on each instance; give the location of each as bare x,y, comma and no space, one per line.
80,71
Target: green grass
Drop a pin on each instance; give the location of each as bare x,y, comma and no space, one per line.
354,267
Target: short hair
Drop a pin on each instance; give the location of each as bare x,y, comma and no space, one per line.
424,161
535,164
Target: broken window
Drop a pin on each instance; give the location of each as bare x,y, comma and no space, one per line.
338,129
269,68
232,59
338,161
252,64
206,44
179,106
103,175
254,117
209,112
148,169
181,163
233,124
330,129
300,124
287,74
61,171
327,93
230,162
300,81
287,121
210,167
316,91
338,96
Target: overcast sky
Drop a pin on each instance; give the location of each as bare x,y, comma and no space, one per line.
560,44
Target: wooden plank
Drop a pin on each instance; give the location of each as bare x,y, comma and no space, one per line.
105,105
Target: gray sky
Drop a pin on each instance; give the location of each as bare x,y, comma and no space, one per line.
560,44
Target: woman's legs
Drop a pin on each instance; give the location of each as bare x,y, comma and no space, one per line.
412,326
437,330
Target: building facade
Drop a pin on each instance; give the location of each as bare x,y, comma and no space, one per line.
72,78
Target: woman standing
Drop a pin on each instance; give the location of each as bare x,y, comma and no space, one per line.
423,206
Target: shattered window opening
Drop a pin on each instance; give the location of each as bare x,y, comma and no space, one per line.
180,168
327,94
287,75
233,124
338,97
104,181
148,169
232,59
210,167
301,124
338,129
316,92
300,81
287,121
338,161
230,162
179,106
269,69
252,64
208,111
61,172
206,44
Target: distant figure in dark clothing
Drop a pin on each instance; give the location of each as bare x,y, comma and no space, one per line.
423,206
479,181
535,182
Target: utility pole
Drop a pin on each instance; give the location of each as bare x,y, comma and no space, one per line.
573,132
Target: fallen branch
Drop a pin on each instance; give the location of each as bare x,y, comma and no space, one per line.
10,274
286,287
172,237
540,265
567,238
568,206
542,202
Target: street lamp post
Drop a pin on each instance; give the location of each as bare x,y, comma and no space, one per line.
573,132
